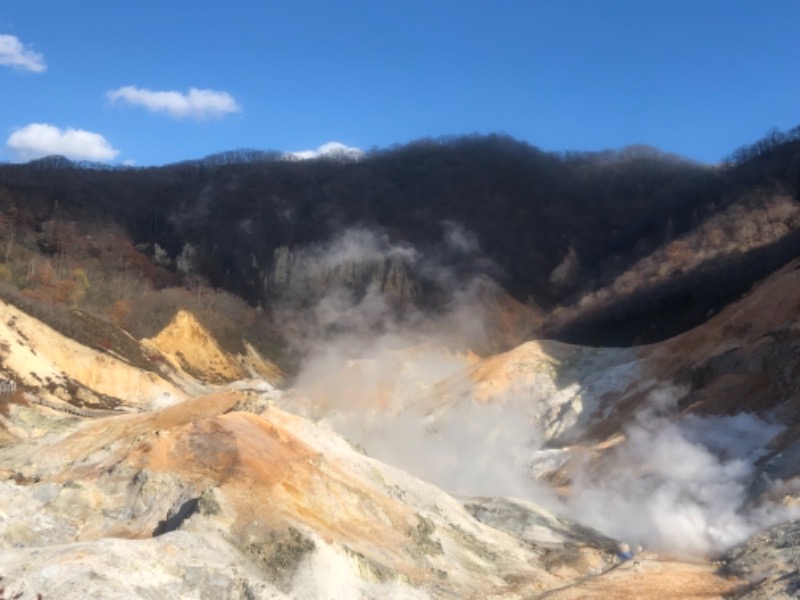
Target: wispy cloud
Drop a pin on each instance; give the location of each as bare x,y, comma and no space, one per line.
40,139
330,150
14,54
195,104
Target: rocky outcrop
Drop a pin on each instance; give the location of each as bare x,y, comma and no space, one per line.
770,561
308,273
189,347
39,358
293,508
119,373
565,275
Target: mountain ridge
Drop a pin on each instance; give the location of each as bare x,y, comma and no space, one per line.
475,206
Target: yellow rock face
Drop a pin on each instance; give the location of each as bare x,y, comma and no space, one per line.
37,356
190,347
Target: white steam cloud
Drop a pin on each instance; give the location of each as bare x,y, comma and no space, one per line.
679,485
361,286
329,277
402,388
195,104
362,245
405,399
460,240
40,139
466,449
374,377
14,54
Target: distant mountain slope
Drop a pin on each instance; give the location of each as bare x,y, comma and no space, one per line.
572,230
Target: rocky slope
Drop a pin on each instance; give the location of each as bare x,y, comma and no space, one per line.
686,446
225,495
770,561
171,468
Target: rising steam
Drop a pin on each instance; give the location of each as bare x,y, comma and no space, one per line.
679,484
398,385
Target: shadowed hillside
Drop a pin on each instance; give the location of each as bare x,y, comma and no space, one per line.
611,239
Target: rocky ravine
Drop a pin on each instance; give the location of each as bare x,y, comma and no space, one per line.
188,489
195,477
685,446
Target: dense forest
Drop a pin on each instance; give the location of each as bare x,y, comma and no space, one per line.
619,246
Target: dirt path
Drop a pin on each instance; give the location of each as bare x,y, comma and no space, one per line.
649,579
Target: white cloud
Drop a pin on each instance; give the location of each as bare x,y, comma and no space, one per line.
196,104
329,150
40,139
14,54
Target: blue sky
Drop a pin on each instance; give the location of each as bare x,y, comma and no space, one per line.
113,81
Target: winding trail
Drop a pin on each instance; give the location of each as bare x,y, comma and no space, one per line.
577,582
649,578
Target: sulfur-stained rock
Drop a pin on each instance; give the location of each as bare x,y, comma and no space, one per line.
770,561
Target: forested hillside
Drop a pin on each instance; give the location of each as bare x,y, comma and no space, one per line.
602,242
